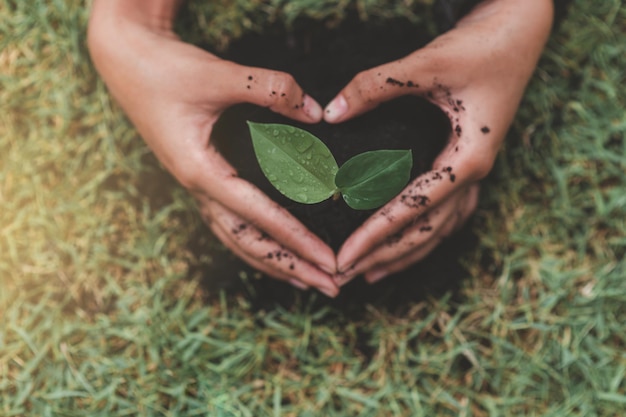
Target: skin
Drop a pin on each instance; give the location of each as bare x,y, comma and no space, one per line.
174,92
476,73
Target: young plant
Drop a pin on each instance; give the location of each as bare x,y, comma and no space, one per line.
302,168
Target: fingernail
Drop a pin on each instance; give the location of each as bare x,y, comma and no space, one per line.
335,109
346,259
342,280
311,108
328,269
346,266
375,276
326,262
343,275
331,292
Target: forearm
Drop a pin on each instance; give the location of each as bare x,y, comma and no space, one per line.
518,30
448,12
158,15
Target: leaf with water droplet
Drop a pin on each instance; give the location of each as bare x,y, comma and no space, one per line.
371,179
304,144
283,157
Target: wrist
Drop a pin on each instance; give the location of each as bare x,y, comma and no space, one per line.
448,13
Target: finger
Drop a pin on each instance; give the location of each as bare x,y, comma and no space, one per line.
227,241
464,161
256,264
264,253
384,260
276,90
421,195
422,71
452,223
425,229
419,234
270,268
209,177
403,263
217,181
371,87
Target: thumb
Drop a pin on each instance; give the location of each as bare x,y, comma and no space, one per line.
372,87
277,91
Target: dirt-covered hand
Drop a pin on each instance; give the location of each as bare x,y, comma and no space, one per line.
174,92
476,73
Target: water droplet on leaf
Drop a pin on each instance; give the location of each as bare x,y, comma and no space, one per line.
304,144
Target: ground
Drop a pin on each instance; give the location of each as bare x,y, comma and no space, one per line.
103,307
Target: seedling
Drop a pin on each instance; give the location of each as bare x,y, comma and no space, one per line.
303,169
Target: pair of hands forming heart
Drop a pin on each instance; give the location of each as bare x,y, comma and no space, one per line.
174,93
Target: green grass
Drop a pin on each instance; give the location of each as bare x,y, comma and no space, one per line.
103,310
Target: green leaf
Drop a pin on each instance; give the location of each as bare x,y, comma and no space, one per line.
297,163
371,179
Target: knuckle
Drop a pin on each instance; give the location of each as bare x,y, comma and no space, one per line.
280,85
281,79
365,86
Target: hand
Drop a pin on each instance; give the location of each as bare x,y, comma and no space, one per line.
174,92
476,73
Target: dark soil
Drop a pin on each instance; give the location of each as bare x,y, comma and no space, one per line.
323,60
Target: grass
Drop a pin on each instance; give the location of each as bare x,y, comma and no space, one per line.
103,310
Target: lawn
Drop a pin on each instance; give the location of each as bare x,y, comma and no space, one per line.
105,309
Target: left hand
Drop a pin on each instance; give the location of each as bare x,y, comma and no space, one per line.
174,92
476,73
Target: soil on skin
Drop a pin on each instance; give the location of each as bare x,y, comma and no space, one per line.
322,61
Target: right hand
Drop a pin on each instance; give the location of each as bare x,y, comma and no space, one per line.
173,93
476,73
